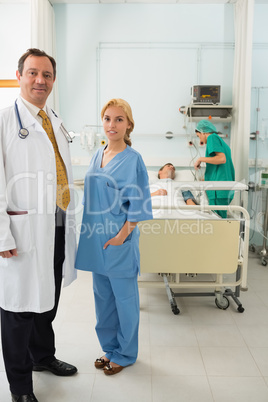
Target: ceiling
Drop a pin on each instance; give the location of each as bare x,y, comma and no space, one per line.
144,1
152,1
133,1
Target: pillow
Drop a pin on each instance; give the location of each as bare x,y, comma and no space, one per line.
152,176
180,175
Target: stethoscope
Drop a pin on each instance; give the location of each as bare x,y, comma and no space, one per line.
23,132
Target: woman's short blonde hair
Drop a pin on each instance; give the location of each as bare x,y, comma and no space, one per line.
127,109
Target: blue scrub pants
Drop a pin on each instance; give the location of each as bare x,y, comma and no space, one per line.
117,312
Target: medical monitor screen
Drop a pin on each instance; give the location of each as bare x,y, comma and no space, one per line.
206,93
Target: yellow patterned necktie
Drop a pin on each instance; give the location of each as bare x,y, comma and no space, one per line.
63,192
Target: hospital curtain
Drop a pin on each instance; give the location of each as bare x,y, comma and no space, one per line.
242,87
43,36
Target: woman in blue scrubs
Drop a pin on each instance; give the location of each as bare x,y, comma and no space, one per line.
116,198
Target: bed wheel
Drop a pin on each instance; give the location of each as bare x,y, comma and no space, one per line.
222,304
175,310
240,309
252,248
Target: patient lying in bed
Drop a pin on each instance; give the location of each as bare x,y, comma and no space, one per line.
167,197
165,174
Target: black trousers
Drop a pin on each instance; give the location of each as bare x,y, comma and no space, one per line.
28,338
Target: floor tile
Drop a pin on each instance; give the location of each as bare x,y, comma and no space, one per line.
260,356
203,354
2,367
75,388
168,361
181,388
255,336
229,361
143,364
172,335
73,332
4,387
263,295
219,335
80,355
144,335
253,315
163,316
122,387
239,389
210,314
250,298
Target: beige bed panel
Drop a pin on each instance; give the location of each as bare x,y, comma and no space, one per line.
189,246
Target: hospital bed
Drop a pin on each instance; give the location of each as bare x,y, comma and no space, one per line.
185,244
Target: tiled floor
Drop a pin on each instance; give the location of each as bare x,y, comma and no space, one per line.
201,355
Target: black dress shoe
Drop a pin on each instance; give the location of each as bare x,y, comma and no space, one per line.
57,367
24,398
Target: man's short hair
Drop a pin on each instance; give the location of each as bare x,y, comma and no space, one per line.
38,53
163,168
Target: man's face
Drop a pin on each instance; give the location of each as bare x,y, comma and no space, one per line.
168,172
202,137
37,79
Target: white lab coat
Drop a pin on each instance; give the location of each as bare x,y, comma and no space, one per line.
28,183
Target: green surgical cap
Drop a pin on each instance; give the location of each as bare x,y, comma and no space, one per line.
204,126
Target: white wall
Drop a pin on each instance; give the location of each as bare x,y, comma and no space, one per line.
259,100
148,54
259,119
154,70
15,40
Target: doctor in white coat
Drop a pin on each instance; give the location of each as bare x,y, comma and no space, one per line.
37,230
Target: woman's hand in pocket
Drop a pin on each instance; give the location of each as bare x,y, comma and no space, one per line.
114,241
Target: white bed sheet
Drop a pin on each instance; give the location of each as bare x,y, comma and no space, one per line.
168,206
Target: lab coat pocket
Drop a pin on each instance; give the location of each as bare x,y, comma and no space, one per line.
3,262
119,260
20,227
111,200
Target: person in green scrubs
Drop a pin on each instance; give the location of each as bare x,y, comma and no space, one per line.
219,165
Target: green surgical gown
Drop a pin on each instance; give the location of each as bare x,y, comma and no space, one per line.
223,172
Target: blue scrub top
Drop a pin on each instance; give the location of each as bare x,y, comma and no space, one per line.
223,172
117,193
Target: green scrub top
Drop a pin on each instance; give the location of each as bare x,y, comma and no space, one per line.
223,172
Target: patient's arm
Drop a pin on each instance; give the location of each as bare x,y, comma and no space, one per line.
188,198
190,202
161,191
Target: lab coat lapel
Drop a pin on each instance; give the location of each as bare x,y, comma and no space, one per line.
27,119
60,138
55,121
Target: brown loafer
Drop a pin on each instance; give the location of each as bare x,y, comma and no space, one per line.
101,363
110,370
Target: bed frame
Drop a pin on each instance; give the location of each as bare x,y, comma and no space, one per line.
185,248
